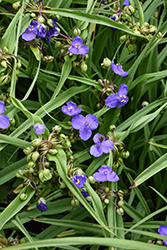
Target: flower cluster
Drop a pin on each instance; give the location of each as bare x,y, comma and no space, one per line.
35,29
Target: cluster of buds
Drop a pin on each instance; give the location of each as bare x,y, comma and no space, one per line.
119,151
6,66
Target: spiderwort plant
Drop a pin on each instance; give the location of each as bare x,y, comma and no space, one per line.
4,120
102,145
119,100
71,109
77,47
85,125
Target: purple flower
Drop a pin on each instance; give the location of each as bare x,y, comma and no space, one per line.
30,33
39,128
54,20
119,100
117,68
4,120
162,230
126,2
105,173
52,32
102,145
85,195
77,47
41,32
79,180
41,205
71,109
85,125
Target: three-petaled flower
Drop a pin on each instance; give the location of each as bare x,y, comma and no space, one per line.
126,2
105,173
30,33
79,180
39,128
71,109
41,205
4,120
117,68
119,100
77,47
85,125
102,145
162,230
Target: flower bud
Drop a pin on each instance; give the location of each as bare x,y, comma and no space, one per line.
122,38
31,170
52,151
5,50
33,15
75,64
106,189
56,128
106,63
16,5
150,242
13,122
125,154
4,79
159,242
47,59
132,9
76,32
45,175
120,203
120,211
28,150
84,67
4,64
112,127
50,22
41,19
91,179
153,28
31,164
36,142
23,197
57,44
62,185
75,203
19,173
18,65
47,164
35,156
130,48
106,201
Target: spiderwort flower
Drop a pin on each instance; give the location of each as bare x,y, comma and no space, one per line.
114,19
4,120
85,125
39,128
71,109
119,100
41,205
105,173
30,33
53,31
162,230
79,180
102,145
77,47
126,2
117,68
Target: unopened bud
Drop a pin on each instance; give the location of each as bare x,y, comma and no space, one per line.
41,19
62,185
5,50
120,203
52,151
18,65
120,211
50,22
106,62
23,197
84,67
159,242
106,189
56,128
122,38
31,164
19,173
16,5
36,142
125,154
4,64
28,150
75,203
45,175
91,179
35,156
106,201
33,15
47,59
76,32
57,44
13,122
